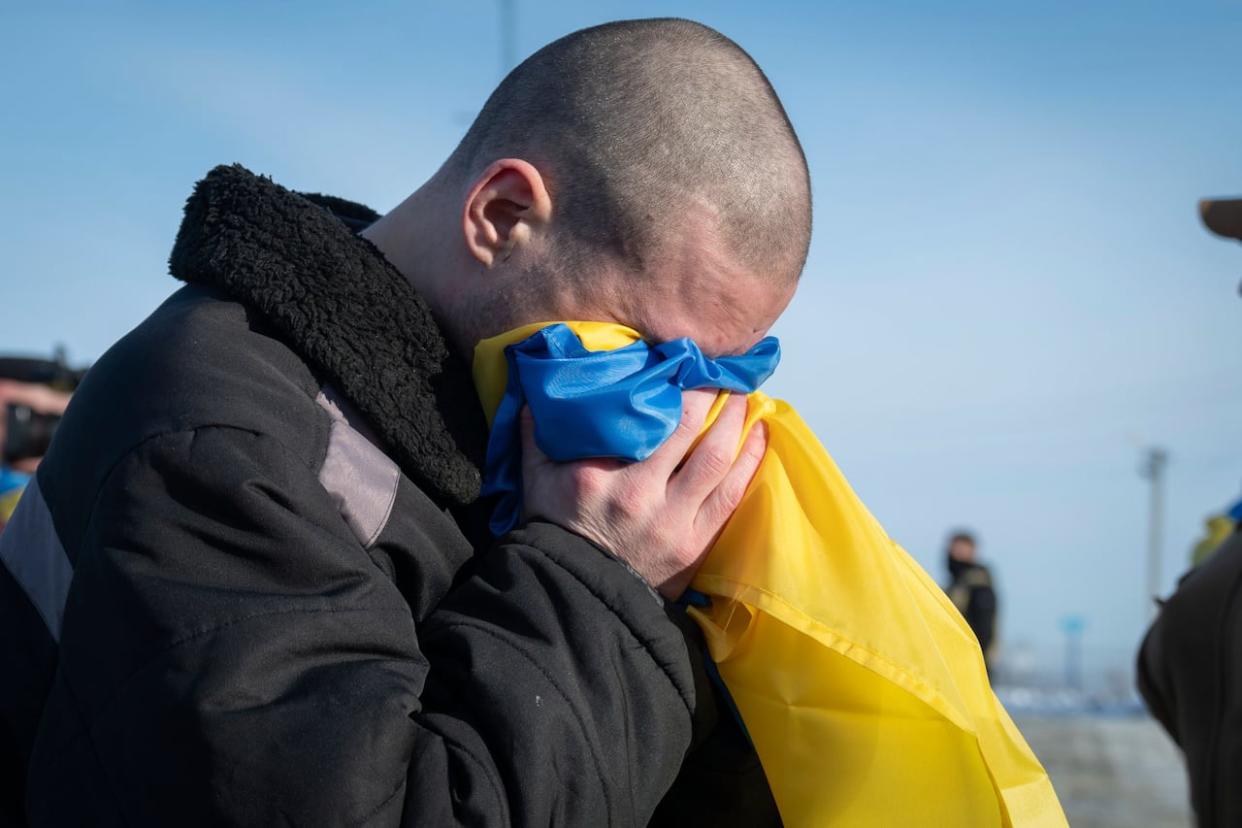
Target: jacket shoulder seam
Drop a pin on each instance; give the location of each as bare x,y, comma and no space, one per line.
164,434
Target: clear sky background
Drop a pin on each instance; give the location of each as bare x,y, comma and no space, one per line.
1008,292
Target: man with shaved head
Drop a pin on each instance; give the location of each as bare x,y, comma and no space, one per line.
253,581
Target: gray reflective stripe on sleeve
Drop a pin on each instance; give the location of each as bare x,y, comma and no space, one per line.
359,477
31,551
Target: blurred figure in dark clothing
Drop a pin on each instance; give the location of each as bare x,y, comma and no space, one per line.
1190,663
971,589
33,395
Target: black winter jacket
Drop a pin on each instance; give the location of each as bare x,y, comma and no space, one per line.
251,582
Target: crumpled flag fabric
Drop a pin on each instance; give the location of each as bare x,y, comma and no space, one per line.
862,687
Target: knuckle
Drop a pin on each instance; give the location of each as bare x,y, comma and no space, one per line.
755,451
629,501
732,494
689,425
714,461
728,497
695,405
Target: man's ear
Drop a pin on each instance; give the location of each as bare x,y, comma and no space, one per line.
504,207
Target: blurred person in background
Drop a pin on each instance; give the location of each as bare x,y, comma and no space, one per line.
1189,668
258,584
970,589
33,396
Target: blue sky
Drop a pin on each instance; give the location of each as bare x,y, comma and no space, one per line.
1008,291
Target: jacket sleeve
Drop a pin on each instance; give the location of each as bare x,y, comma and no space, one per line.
1189,673
233,656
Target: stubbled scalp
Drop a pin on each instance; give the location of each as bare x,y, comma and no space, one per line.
635,123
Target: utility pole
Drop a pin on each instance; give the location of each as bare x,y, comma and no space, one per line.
1154,462
508,35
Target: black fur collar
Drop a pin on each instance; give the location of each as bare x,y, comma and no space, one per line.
342,307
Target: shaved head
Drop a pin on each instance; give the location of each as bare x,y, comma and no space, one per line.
641,172
635,124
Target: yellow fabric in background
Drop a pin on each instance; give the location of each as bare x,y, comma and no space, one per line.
8,504
862,687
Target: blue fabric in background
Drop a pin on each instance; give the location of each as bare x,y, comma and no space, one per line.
11,479
623,403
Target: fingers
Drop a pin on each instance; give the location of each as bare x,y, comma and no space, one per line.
719,505
695,405
712,458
